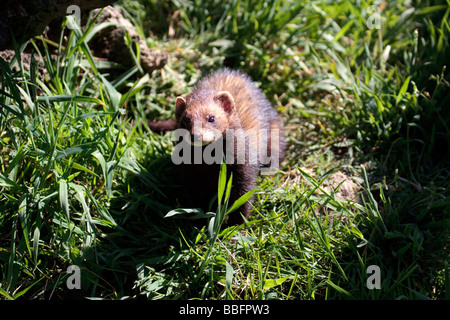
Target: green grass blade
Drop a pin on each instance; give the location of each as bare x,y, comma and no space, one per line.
64,197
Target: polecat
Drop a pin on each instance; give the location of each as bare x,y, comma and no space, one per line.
226,114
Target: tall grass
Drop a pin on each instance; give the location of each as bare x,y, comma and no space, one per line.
84,182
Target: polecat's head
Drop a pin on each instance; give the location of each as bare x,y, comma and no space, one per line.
206,114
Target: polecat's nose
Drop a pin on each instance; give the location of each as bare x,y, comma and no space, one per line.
196,138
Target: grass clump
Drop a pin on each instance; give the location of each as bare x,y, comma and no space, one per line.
363,91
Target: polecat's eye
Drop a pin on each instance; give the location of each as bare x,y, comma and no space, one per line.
211,119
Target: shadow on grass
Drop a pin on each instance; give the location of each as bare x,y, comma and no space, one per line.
145,248
405,224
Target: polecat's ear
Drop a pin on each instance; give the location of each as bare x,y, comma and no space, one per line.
226,100
180,107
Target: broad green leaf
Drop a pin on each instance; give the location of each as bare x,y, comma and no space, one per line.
222,182
343,30
36,237
73,150
339,289
181,211
69,98
24,221
403,89
114,95
270,283
64,197
239,202
211,227
228,277
5,182
5,294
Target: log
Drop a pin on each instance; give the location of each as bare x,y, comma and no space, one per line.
28,18
109,43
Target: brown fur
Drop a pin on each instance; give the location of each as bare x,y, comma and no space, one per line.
234,102
163,126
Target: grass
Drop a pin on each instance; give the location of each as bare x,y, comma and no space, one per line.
84,182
